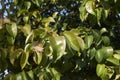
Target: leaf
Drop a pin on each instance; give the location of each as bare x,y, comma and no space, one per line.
26,29
29,38
58,44
107,51
90,7
10,39
106,40
99,56
117,56
55,74
103,30
72,40
27,4
88,41
114,61
92,53
24,59
99,14
12,29
37,57
100,69
46,21
81,43
30,74
83,13
23,74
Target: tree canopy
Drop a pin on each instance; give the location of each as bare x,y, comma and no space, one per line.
60,40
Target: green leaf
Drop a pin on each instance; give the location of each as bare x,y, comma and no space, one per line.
99,14
106,40
12,29
81,43
72,40
24,59
107,51
23,74
114,61
37,57
58,44
55,74
117,56
103,30
30,74
99,56
92,53
10,39
27,4
46,21
83,13
26,29
100,69
16,2
30,37
90,7
88,41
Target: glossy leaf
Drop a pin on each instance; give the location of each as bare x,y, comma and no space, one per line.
90,7
81,43
113,60
30,37
37,57
83,13
107,51
100,69
88,41
72,40
99,56
24,59
58,44
92,53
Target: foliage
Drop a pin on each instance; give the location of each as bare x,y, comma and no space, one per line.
60,40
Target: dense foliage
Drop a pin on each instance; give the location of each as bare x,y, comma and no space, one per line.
60,40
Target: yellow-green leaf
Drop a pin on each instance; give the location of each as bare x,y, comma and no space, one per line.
72,40
24,59
90,7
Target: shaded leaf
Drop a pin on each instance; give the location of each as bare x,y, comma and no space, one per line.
37,57
24,59
99,56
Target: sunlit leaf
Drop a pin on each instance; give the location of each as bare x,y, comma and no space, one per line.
12,29
100,69
72,40
88,41
90,7
58,44
26,29
107,51
113,60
